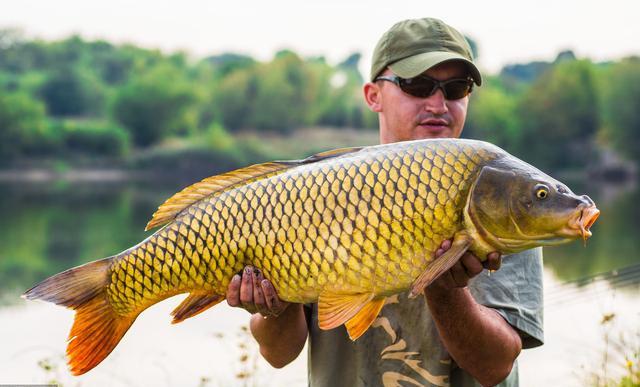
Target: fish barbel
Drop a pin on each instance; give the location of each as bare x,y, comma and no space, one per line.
343,228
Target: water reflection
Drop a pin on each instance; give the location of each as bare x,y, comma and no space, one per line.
50,227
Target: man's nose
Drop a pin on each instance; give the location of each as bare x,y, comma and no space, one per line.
436,103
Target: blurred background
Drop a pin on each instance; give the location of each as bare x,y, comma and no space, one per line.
108,108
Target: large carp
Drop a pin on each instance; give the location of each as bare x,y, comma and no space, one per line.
343,228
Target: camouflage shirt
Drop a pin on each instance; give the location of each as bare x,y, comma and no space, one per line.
403,348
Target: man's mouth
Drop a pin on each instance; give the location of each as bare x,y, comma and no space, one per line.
435,125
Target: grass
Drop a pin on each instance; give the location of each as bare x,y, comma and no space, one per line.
620,358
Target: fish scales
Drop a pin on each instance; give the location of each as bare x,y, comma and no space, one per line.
368,222
345,228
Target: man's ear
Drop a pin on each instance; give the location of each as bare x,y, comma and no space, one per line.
373,97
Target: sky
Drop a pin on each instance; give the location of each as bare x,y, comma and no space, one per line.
507,32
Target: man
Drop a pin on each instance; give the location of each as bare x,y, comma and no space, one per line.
470,326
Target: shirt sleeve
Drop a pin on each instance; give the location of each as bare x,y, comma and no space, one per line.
515,291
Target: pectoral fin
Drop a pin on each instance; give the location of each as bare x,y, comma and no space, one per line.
460,244
192,305
359,323
336,309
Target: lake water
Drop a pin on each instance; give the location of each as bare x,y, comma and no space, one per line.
50,226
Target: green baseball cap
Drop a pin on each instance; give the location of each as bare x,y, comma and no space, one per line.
413,46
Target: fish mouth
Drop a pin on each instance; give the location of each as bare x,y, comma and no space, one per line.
581,222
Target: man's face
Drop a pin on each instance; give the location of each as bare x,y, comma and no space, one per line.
405,117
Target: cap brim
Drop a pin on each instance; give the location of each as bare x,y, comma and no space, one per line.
418,64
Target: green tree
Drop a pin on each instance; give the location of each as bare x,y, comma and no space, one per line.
284,93
227,63
72,92
559,116
492,116
273,96
156,104
22,123
622,98
19,55
235,99
112,64
346,106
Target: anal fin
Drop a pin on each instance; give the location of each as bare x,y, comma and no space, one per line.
461,242
336,309
96,331
192,305
359,323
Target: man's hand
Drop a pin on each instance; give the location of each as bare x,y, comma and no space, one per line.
280,339
252,292
467,267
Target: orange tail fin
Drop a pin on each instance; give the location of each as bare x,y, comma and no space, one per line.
97,328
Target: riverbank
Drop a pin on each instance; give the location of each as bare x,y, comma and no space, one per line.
188,160
184,159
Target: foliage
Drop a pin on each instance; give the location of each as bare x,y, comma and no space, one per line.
70,92
622,98
92,137
550,113
235,99
289,93
279,94
559,117
620,357
22,124
492,116
230,62
156,104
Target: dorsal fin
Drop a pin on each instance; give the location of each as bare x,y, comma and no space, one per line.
323,155
193,193
198,191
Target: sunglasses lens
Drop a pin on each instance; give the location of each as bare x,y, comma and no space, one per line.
418,87
423,87
457,89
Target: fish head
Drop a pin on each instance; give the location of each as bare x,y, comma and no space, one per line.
514,208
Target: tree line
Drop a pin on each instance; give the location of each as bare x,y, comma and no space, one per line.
77,96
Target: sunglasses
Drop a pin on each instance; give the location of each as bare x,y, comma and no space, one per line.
423,86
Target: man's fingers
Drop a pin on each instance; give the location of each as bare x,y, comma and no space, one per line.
269,293
256,277
246,289
459,274
233,291
471,264
275,305
494,261
446,244
258,293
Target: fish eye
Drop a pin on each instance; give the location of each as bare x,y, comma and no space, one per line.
542,191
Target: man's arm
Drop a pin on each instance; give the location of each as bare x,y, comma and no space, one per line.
279,328
478,338
281,338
